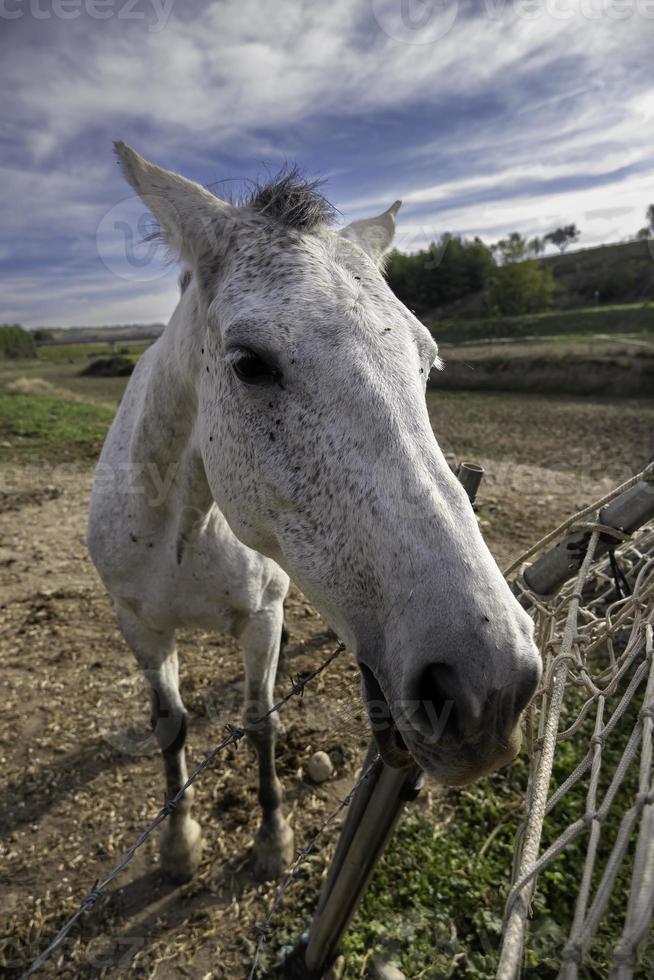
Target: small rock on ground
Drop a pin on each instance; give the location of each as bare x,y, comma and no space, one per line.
380,969
319,767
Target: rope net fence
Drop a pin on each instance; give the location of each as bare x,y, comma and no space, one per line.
595,710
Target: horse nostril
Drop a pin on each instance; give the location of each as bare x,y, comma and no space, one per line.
525,687
514,699
439,710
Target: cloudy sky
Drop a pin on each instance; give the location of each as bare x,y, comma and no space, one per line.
485,118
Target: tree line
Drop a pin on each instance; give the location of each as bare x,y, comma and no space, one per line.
508,273
512,280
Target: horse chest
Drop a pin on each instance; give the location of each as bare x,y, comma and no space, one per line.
196,575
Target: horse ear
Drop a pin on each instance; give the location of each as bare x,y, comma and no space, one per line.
373,235
192,220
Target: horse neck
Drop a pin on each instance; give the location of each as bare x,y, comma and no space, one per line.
163,430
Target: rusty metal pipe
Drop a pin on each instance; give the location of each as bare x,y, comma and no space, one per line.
626,513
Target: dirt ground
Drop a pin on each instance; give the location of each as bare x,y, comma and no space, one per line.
81,780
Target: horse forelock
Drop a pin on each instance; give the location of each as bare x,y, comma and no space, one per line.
269,228
292,200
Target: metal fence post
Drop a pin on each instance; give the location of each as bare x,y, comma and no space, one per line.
372,816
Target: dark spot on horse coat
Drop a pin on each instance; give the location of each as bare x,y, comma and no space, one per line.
133,537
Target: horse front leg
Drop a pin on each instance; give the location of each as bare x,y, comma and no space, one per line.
260,640
180,847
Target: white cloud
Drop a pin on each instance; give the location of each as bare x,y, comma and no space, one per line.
565,102
603,213
98,300
241,65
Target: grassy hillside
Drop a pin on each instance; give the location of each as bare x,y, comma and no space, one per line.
620,273
635,319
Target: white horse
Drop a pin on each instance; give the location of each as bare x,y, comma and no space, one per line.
284,410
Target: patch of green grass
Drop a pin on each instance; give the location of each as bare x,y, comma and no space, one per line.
434,906
66,374
35,428
436,901
73,353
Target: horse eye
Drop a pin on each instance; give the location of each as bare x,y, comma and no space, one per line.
251,368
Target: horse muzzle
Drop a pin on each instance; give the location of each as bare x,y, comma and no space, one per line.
444,728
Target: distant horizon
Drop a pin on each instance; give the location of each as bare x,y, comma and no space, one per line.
140,324
93,326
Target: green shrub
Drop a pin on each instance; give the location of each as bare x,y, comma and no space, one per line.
445,271
520,287
16,342
108,367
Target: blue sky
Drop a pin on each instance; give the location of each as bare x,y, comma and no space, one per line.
484,118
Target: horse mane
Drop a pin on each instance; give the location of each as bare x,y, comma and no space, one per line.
289,198
292,200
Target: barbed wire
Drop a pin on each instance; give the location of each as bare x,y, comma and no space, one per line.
234,735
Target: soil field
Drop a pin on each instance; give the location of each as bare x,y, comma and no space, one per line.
78,785
573,366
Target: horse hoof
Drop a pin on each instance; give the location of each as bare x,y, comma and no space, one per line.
180,851
273,851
